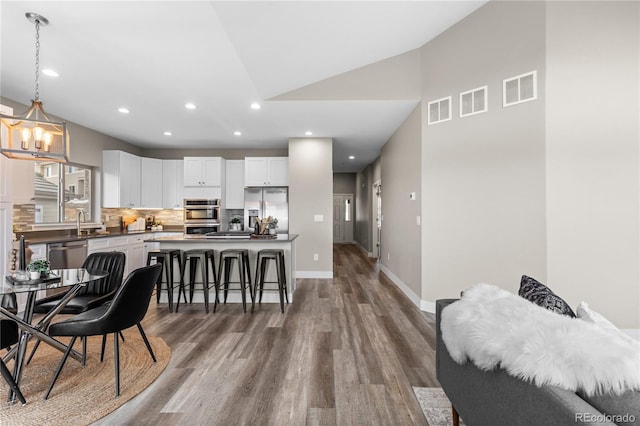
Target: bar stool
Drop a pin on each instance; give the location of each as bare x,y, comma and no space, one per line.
244,273
166,258
193,257
262,261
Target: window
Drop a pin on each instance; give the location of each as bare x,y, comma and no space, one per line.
60,191
473,102
347,210
521,88
439,110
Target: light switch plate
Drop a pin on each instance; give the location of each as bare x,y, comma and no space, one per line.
318,218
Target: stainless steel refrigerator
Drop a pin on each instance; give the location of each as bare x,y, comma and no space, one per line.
265,202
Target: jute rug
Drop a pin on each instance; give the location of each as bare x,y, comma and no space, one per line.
83,395
435,406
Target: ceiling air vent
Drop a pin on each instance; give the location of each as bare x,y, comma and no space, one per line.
439,110
521,88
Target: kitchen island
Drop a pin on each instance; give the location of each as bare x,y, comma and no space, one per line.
224,241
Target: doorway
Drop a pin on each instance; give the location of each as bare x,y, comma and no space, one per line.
343,218
376,214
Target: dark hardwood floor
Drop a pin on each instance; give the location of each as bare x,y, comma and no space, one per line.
346,351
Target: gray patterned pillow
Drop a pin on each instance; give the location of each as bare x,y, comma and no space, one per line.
542,295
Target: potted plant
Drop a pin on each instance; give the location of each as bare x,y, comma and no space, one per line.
235,224
38,268
272,224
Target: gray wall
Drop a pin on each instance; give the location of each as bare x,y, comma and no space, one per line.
483,176
311,194
593,122
344,183
400,241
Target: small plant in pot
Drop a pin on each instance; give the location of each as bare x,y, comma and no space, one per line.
39,268
235,224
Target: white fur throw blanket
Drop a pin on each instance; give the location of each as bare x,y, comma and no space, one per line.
495,328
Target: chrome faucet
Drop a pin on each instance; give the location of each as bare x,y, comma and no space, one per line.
84,219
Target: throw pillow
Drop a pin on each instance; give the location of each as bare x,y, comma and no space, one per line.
538,293
585,313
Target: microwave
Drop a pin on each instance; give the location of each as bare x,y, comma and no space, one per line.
201,210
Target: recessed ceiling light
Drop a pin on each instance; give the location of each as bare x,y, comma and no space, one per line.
50,73
190,106
237,133
123,110
255,105
167,133
308,133
351,157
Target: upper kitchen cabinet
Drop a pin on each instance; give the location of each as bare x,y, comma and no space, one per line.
120,179
172,184
234,196
203,171
266,171
150,183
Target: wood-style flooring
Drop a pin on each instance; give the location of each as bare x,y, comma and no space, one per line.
346,352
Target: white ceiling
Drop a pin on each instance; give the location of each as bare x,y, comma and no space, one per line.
154,56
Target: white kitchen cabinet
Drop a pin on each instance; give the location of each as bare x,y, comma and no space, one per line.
234,195
172,184
150,183
266,171
120,179
204,171
132,246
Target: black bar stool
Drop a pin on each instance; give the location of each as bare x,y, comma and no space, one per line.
202,255
244,273
166,258
262,261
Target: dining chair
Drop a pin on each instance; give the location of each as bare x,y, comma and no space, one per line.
127,308
9,336
93,294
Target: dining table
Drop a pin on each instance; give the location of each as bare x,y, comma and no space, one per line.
72,280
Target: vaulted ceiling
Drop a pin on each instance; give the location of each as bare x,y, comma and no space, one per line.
153,57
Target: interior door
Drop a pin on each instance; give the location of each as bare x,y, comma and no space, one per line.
343,218
338,225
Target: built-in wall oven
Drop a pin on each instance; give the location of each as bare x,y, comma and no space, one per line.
201,216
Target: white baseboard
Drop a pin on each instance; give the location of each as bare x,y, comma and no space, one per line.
423,305
364,250
314,274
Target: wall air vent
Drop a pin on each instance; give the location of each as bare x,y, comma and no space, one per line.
473,101
521,88
439,110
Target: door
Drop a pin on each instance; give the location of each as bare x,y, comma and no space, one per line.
343,218
377,222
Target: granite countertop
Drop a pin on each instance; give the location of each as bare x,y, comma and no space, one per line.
224,237
42,237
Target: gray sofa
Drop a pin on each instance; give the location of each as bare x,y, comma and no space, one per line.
495,398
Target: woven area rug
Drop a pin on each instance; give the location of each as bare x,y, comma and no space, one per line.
82,396
435,406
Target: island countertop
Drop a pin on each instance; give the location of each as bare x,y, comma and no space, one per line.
223,237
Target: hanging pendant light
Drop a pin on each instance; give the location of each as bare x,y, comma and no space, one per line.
33,135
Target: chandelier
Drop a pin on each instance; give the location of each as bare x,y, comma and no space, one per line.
33,135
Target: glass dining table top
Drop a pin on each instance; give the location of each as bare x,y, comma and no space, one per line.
57,278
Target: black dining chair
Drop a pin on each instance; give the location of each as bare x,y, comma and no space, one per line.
93,294
9,336
127,308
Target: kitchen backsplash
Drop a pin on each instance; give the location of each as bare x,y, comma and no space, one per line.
164,217
24,216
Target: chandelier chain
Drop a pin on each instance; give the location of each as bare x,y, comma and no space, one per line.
37,60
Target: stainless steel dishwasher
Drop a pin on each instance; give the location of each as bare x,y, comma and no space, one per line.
68,254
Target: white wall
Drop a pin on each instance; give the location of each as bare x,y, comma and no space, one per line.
592,146
311,194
